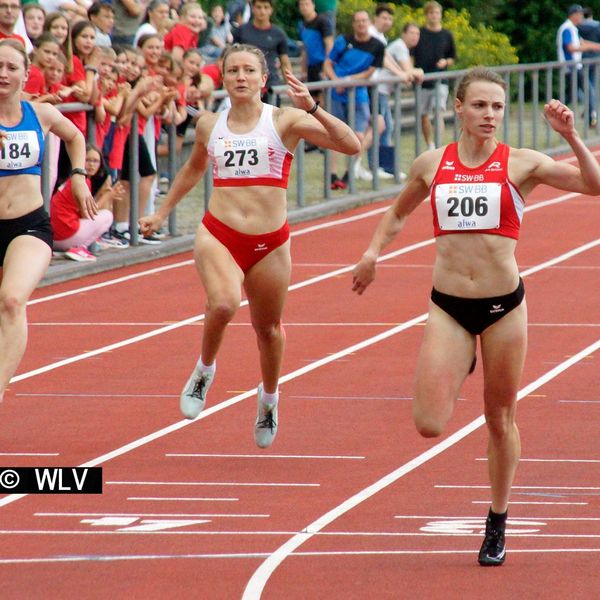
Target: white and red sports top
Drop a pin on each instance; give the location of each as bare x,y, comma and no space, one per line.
254,158
480,200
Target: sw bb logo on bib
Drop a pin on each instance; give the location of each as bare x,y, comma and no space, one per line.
464,207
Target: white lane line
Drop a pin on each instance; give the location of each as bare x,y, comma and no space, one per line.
299,285
138,557
185,263
520,487
29,454
579,401
295,233
479,518
63,395
236,399
554,460
245,533
214,483
514,502
260,577
196,499
140,514
254,456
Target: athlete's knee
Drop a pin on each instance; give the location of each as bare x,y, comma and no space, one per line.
269,332
500,422
428,425
222,310
11,305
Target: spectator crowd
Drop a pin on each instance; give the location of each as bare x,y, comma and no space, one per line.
159,60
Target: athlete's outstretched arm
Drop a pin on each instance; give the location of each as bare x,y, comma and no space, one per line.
189,175
391,224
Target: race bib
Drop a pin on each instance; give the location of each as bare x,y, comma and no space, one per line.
21,150
469,206
242,157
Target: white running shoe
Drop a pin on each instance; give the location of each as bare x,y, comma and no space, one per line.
193,396
383,174
361,173
265,428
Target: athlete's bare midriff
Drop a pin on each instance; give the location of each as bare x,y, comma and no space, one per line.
254,209
19,195
475,265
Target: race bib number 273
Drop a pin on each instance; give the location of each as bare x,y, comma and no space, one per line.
242,157
469,206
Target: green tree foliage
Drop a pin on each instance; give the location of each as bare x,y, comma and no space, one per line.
475,44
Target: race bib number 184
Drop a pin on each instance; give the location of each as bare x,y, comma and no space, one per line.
472,206
20,151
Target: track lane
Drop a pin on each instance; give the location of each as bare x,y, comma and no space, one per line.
225,424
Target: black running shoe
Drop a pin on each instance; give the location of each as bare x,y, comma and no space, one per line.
493,549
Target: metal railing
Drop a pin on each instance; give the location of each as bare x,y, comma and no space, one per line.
529,86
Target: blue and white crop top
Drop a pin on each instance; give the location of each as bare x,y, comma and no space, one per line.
258,157
23,149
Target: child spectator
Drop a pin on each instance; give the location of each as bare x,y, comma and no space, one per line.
185,79
102,16
156,20
45,52
72,233
54,75
85,61
146,100
218,35
33,17
184,34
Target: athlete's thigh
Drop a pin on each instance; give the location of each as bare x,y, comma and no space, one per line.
266,285
220,274
446,354
26,261
503,349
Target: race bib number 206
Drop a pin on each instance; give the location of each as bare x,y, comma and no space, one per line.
472,206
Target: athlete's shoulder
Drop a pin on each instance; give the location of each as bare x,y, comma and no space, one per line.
206,123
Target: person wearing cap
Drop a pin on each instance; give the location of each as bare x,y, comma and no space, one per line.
570,46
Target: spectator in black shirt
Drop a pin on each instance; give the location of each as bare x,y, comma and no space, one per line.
435,52
269,38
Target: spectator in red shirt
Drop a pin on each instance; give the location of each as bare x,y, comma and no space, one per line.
45,53
72,232
184,34
9,13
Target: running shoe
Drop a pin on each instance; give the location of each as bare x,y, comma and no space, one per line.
265,428
383,174
95,248
337,184
149,239
109,240
80,254
493,549
361,173
193,396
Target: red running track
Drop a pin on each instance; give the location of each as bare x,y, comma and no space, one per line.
349,502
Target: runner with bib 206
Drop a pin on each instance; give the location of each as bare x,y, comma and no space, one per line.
243,240
478,188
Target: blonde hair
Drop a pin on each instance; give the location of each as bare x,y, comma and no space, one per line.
18,46
234,48
477,74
